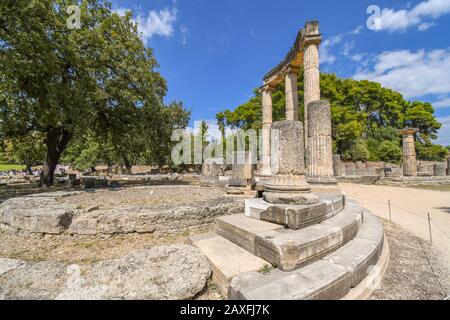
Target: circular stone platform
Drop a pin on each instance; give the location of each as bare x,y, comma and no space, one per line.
158,209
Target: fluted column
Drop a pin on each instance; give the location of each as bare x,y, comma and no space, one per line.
320,168
311,77
291,94
267,124
409,152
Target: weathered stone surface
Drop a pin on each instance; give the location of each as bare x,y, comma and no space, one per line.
37,214
292,198
295,217
243,231
439,170
320,166
290,249
122,221
329,278
228,259
288,152
409,152
163,212
244,165
299,216
213,167
166,272
319,281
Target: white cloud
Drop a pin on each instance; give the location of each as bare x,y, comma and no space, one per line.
444,132
414,74
444,103
184,35
420,16
158,23
326,57
155,22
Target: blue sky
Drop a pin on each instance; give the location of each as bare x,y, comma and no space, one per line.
213,53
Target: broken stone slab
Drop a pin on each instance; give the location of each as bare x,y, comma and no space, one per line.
300,216
334,201
228,260
243,231
9,264
290,249
319,281
160,222
159,273
36,214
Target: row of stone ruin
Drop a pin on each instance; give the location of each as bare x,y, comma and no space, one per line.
385,169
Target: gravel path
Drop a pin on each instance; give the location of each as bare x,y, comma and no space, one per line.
416,270
409,210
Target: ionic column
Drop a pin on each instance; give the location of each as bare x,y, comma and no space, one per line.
267,124
291,94
409,152
311,77
320,168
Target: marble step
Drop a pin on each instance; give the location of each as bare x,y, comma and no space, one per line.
243,231
290,249
227,259
331,277
296,216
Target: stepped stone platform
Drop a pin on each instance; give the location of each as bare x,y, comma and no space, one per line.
332,248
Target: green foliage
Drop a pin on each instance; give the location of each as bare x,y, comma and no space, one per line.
358,151
430,152
64,83
24,150
364,115
389,151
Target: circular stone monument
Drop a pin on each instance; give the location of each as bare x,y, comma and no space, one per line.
159,209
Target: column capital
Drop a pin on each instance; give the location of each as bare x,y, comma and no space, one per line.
267,88
312,40
409,131
292,69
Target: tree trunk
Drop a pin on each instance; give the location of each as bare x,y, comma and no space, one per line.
128,164
28,169
56,141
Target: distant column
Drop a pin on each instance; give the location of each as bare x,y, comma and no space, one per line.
409,152
291,94
448,166
311,76
267,124
320,168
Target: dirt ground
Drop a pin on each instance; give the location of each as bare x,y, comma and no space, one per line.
416,270
158,197
409,208
81,250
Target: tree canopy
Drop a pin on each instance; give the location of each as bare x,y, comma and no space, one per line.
96,85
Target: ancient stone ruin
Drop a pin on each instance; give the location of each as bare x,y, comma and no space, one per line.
302,239
409,172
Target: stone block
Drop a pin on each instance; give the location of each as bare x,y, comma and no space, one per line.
243,231
288,150
227,259
290,249
439,170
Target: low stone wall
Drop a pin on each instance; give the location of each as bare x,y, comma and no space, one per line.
413,181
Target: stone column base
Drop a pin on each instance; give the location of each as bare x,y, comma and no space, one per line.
291,190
